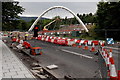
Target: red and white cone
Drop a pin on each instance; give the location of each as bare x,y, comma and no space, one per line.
104,53
103,44
86,47
108,61
74,45
79,46
103,50
113,73
110,54
108,65
93,48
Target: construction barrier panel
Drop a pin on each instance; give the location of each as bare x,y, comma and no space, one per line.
107,65
102,66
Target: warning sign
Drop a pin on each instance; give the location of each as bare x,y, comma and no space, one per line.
110,41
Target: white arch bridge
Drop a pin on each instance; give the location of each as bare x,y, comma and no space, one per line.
61,7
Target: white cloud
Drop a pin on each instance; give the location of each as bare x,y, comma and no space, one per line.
59,0
36,8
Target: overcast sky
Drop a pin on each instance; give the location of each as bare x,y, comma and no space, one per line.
36,8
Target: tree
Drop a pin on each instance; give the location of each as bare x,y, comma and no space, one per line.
24,25
10,11
108,19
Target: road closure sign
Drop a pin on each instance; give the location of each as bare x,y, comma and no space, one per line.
110,41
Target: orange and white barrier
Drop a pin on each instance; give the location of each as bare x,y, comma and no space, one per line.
70,42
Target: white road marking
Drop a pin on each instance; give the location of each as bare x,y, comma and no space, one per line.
77,54
112,47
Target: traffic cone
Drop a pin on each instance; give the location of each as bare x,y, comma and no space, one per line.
103,50
103,44
105,56
74,45
79,46
110,53
104,53
93,48
86,47
108,65
108,61
113,73
110,50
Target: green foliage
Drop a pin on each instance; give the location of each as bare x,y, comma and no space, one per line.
108,19
10,11
87,18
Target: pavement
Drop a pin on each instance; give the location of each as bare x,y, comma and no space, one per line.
0,59
12,67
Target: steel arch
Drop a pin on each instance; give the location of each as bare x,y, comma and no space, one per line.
54,7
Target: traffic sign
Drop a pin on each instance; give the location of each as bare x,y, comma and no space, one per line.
110,41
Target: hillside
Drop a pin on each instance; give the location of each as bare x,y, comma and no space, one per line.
27,19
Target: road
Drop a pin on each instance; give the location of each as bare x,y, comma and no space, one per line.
72,61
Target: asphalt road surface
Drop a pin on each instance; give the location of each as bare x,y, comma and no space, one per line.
73,61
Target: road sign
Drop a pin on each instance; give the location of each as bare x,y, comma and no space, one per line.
110,41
